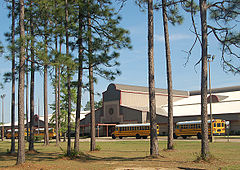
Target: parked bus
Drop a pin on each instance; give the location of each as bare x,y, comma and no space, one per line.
40,133
9,133
37,133
193,128
133,130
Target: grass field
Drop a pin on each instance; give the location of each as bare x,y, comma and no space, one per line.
133,154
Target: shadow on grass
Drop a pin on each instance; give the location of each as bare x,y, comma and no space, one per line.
11,158
84,157
190,168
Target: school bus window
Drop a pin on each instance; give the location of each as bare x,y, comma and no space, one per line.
219,125
222,124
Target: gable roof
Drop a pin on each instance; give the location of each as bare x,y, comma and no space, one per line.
123,87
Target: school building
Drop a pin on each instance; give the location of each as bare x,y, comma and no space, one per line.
124,104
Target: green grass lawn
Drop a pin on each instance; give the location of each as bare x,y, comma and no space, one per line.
125,155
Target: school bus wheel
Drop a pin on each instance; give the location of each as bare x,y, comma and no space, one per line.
175,136
120,137
199,136
144,137
138,136
113,136
184,136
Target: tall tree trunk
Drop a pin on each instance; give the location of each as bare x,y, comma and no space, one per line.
79,90
56,98
204,116
21,142
46,135
56,105
152,100
56,84
27,88
27,82
13,81
68,82
59,110
59,90
91,87
169,77
31,137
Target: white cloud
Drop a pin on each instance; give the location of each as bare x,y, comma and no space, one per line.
174,37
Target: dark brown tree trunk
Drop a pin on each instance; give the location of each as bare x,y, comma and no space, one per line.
68,82
56,85
21,142
27,88
91,88
169,77
59,90
13,81
152,100
56,98
79,90
204,116
46,135
59,110
31,137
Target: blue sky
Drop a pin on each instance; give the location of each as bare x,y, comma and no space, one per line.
134,62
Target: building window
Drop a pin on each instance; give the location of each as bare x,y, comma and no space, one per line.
215,99
110,111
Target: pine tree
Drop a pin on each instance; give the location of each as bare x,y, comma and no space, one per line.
21,142
13,81
151,81
80,75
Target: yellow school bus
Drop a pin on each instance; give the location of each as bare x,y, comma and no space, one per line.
133,130
9,133
193,128
37,133
40,133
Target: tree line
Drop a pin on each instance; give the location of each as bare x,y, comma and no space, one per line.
82,37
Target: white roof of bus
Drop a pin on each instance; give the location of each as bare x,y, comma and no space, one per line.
191,122
126,125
